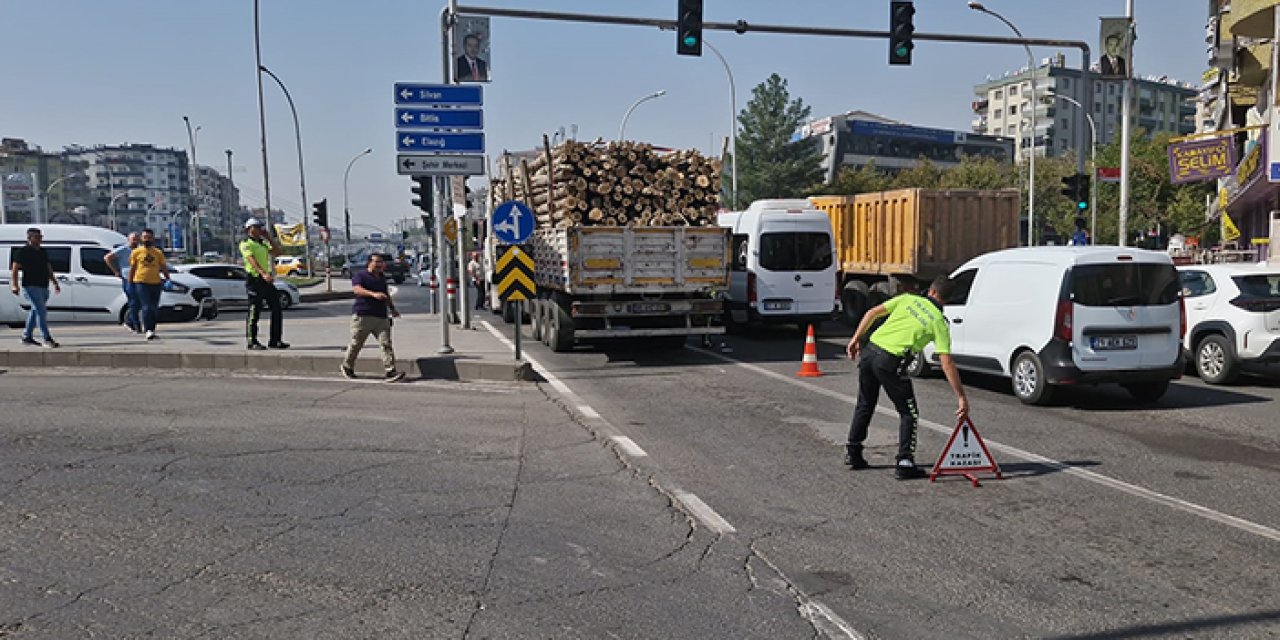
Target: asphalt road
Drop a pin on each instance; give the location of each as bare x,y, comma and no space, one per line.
188,507
1114,520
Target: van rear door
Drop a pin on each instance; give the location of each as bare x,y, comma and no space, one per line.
1125,315
797,271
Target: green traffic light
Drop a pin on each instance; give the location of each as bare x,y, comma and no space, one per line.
1082,205
690,41
901,51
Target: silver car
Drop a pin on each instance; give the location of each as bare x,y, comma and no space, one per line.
227,281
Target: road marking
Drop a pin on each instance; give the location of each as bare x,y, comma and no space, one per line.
587,411
1094,477
629,446
708,516
821,615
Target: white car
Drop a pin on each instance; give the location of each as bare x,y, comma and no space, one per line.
1233,318
1054,316
228,281
90,291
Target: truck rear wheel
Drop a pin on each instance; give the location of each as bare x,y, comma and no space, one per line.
853,301
536,327
880,292
560,338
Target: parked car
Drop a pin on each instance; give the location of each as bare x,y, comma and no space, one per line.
228,280
1233,318
90,291
1051,316
292,266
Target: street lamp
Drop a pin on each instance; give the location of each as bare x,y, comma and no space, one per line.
623,127
302,176
733,126
44,206
111,209
195,186
346,208
1031,178
1093,159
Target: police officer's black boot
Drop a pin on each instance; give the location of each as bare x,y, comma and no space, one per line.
853,456
906,469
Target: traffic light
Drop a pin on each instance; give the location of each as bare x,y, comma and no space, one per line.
404,235
1077,188
422,192
901,26
689,27
320,215
466,194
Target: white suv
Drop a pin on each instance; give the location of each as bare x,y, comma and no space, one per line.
1233,317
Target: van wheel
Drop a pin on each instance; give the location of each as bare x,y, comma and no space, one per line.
853,301
1215,363
1147,391
918,367
286,300
1029,383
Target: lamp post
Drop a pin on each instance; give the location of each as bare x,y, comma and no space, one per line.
622,129
302,176
111,209
195,187
346,208
733,127
44,207
1093,159
229,210
1031,178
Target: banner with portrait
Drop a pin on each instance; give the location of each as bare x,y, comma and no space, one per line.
1115,41
471,49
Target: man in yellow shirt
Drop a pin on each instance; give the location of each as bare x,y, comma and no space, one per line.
258,249
914,321
147,272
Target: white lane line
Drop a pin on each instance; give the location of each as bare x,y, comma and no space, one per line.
587,411
1096,478
708,516
821,615
629,446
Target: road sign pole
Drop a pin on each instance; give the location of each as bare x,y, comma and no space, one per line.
519,326
464,278
441,265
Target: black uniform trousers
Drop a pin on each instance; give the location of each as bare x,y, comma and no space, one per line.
878,368
263,293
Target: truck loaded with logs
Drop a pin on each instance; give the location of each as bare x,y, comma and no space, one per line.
625,245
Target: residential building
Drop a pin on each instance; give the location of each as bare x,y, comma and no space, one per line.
1236,100
137,186
857,138
1002,104
28,173
219,205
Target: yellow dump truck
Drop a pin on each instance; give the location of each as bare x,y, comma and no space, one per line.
921,233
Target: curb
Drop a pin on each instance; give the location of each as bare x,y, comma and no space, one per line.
439,368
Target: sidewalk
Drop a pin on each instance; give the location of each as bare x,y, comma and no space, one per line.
318,337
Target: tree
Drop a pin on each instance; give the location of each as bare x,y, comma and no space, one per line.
925,175
980,172
851,182
1154,202
772,166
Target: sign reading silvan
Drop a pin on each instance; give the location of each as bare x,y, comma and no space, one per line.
1198,160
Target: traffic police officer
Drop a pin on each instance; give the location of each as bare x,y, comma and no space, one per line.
914,321
257,250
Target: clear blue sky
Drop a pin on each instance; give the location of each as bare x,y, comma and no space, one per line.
126,71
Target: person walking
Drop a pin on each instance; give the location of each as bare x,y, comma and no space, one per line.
476,274
37,274
148,271
257,250
372,313
914,321
118,262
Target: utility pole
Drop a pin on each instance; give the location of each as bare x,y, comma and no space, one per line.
1126,96
230,213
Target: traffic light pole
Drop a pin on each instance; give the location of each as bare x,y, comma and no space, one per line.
442,266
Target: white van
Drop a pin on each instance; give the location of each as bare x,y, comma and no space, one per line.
90,292
1049,316
783,264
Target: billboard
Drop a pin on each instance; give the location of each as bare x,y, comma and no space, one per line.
471,48
1115,40
1199,160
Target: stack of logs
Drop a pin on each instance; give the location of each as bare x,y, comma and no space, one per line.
614,184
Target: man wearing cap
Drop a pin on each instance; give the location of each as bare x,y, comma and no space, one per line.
258,250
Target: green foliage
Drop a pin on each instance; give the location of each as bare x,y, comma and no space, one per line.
771,166
925,175
851,182
1153,200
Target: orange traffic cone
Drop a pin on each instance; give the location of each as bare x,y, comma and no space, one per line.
809,364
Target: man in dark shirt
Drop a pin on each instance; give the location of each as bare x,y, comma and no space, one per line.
37,275
370,316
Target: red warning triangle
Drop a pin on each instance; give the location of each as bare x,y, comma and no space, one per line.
965,455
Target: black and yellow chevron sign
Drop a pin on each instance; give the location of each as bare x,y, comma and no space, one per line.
514,274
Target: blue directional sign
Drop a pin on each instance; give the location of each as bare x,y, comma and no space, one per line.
458,95
440,142
439,118
512,222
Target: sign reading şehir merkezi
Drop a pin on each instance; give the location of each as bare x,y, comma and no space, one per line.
1198,160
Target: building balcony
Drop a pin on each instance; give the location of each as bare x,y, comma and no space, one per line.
1251,18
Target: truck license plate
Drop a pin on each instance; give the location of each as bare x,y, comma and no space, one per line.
649,307
777,305
1113,343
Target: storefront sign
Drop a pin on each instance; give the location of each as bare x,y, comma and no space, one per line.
1198,160
1250,165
